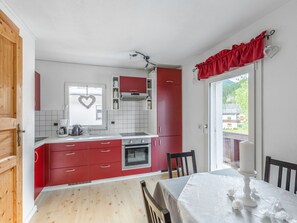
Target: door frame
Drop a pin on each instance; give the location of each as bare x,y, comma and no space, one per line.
257,120
11,32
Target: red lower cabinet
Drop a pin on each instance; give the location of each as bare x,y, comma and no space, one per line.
69,175
170,144
136,171
39,170
105,170
69,163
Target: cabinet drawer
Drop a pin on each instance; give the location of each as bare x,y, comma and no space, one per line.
56,147
105,144
105,155
168,76
69,175
106,170
69,158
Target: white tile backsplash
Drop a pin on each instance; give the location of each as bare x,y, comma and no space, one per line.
131,118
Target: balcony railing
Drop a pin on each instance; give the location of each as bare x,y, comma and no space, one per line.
231,147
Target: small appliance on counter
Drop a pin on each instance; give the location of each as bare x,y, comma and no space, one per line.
63,128
77,130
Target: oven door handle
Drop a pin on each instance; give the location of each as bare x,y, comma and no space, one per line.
138,146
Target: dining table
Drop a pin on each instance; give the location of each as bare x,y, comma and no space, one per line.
205,198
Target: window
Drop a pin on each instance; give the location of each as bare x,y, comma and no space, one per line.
85,105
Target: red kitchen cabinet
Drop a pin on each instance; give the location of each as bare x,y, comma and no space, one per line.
169,76
170,144
169,110
69,175
103,155
39,170
37,91
155,154
69,163
169,114
132,84
69,158
105,170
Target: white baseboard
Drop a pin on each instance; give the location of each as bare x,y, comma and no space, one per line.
30,215
66,186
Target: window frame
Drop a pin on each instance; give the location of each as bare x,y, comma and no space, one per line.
104,106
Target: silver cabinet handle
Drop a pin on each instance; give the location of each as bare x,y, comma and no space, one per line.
69,154
169,81
105,166
69,171
37,157
105,151
71,145
105,143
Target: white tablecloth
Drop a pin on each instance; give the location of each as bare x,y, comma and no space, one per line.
173,193
204,200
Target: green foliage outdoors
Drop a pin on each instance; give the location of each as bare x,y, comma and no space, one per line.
237,93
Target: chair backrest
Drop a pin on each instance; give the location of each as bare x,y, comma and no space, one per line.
281,165
154,212
181,162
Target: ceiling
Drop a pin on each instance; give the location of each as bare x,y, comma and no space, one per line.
103,32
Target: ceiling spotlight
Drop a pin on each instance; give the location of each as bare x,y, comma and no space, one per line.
134,54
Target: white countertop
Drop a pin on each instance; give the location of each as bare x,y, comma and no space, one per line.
85,138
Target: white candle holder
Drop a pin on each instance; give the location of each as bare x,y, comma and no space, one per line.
247,200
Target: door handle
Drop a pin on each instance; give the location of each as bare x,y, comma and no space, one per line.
105,166
160,129
169,81
37,157
159,142
19,131
105,143
69,154
71,145
105,151
69,171
205,126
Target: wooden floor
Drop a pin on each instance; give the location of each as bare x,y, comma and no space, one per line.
114,202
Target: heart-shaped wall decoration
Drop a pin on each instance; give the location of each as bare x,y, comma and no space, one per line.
87,101
271,50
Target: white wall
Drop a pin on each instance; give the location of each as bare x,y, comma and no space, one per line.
28,111
279,89
55,74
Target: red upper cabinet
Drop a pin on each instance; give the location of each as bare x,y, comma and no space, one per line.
132,84
169,76
169,100
37,91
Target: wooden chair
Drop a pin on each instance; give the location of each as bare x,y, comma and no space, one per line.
179,157
281,165
154,212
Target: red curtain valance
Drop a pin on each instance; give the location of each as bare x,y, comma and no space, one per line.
238,56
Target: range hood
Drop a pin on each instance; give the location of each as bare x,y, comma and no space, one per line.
133,96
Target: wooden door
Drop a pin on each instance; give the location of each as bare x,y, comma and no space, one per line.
10,121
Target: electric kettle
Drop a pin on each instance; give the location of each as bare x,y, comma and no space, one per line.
77,130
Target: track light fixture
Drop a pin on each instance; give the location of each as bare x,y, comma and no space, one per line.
145,58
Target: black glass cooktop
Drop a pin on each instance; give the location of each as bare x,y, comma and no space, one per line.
133,134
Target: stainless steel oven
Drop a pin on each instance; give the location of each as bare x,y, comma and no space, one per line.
136,153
